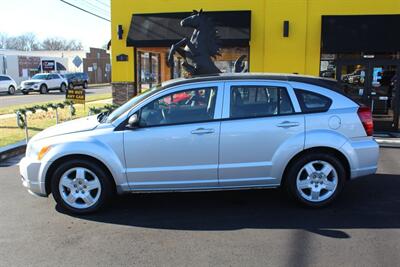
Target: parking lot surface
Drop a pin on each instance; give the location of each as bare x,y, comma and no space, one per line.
35,97
232,228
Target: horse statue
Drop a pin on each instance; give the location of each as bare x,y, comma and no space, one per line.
200,48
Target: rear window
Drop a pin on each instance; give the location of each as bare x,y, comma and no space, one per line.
259,101
312,102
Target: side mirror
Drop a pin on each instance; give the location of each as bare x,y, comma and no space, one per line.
133,121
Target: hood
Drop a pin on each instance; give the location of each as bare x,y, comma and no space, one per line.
74,126
33,81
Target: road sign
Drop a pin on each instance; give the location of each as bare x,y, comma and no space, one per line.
77,61
76,95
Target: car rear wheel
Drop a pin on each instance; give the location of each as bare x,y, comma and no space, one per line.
43,89
80,186
85,85
70,86
63,88
315,180
11,90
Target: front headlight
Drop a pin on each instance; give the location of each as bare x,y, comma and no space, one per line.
37,151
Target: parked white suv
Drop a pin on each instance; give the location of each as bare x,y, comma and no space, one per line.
43,82
7,84
209,133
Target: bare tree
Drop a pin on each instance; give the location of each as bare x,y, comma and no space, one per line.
3,40
53,44
61,44
29,42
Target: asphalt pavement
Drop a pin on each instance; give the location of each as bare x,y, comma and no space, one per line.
232,228
35,97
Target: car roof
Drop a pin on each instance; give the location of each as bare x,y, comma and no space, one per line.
318,81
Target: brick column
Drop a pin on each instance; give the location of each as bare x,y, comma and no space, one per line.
123,91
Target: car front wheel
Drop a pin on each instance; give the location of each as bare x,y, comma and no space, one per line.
316,179
80,186
85,85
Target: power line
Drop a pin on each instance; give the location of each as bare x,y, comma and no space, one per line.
104,4
90,5
84,10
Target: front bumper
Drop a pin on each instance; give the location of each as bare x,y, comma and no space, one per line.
30,176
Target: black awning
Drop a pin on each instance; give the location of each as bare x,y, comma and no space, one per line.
163,30
360,33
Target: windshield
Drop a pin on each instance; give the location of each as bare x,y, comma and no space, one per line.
131,103
40,76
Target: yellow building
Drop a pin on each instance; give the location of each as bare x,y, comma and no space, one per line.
356,42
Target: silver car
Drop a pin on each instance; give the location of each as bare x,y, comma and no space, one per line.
209,133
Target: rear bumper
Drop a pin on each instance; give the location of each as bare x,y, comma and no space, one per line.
363,156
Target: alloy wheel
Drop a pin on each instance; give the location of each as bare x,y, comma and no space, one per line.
317,181
80,188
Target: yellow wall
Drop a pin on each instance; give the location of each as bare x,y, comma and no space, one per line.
269,50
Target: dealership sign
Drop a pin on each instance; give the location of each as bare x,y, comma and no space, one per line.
48,65
76,95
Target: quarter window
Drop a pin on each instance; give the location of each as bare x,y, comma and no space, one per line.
258,101
312,102
188,106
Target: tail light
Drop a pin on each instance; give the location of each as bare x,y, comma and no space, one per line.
364,113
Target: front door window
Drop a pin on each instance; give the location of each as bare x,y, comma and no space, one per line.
195,105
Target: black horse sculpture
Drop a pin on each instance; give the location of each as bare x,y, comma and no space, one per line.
202,46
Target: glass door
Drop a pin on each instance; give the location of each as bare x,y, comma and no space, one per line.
384,95
354,80
373,83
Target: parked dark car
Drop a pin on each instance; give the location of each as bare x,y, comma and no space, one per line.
77,79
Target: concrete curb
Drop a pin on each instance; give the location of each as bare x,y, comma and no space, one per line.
388,142
13,150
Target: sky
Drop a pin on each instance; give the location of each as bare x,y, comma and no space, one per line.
53,18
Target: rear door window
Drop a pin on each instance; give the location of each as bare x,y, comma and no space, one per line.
259,101
312,102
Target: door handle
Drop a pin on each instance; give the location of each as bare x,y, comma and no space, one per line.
201,131
288,124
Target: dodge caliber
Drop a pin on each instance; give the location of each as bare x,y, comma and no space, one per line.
238,131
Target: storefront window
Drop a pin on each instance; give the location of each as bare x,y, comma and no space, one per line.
148,69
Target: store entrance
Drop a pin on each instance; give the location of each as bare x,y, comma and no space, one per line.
373,83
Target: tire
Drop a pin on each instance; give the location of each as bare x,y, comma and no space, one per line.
71,86
43,89
11,90
306,182
85,85
72,190
25,92
63,88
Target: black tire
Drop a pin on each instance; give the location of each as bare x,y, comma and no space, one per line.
11,90
85,85
107,188
294,169
70,86
25,92
43,89
63,88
